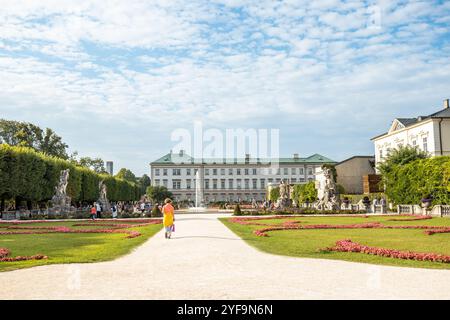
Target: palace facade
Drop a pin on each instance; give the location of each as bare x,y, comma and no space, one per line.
428,133
224,180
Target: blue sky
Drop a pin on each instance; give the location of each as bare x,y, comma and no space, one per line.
115,80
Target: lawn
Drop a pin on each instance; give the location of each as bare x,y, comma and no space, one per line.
73,247
308,242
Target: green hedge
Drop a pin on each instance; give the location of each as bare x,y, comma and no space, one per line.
409,183
303,193
33,176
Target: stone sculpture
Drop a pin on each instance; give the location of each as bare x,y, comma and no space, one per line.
328,194
60,201
285,192
103,199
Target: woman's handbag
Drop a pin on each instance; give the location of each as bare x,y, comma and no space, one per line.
173,228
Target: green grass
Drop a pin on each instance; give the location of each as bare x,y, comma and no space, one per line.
70,248
307,243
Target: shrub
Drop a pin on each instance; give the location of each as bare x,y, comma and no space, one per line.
32,176
304,193
409,183
156,213
237,210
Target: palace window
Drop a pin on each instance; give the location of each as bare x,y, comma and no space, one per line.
222,183
206,183
230,171
246,172
176,172
176,184
165,183
247,183
214,184
156,172
222,172
206,172
188,183
301,171
157,182
188,172
214,172
263,183
230,184
238,172
286,171
255,183
238,183
294,171
164,172
425,144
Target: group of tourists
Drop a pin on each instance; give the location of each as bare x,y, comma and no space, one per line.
168,213
97,209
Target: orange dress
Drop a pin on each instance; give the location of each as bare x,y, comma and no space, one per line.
169,212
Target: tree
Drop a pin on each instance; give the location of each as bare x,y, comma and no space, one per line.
274,194
401,156
305,193
95,164
24,134
127,175
144,182
158,193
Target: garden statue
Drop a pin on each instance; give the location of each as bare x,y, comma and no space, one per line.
60,201
328,194
284,199
103,199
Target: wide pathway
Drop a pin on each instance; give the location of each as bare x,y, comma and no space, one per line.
205,260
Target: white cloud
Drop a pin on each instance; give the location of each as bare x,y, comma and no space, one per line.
229,63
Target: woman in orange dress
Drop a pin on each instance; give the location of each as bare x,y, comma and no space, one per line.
169,217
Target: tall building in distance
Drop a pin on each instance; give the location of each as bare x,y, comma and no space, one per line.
110,167
229,180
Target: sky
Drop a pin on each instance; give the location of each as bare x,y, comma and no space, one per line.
115,78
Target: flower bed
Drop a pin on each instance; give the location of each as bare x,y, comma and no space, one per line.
440,230
295,225
113,228
4,253
414,218
350,246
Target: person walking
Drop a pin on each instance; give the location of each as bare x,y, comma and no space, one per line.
169,217
93,212
114,211
99,210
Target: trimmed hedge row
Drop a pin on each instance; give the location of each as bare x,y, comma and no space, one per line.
33,176
409,183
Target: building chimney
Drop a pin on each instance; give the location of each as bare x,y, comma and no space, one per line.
296,156
446,103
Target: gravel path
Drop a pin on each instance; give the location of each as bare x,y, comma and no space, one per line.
205,260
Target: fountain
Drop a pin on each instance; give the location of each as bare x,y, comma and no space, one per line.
199,204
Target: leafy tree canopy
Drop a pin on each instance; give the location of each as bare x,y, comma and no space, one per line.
127,175
401,156
95,164
24,134
158,193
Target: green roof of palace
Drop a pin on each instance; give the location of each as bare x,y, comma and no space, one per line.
176,158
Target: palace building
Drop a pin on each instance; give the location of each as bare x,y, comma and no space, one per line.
230,180
428,133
